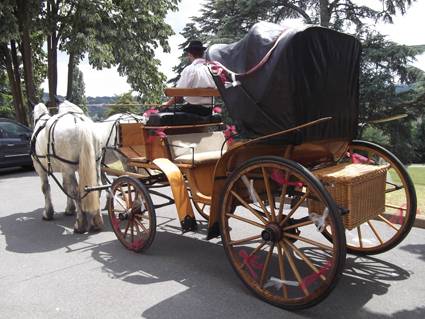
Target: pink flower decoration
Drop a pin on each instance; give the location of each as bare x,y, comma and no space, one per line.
278,177
310,279
115,224
359,159
251,263
229,132
157,132
217,70
398,219
136,245
217,109
150,112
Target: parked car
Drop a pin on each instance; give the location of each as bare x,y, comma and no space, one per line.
14,144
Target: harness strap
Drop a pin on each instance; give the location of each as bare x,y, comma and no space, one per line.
50,144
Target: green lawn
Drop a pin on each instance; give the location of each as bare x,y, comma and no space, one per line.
418,176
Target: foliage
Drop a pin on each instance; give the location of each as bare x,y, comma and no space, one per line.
419,138
78,96
376,135
123,33
123,104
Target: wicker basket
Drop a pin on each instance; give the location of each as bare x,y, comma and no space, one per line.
358,187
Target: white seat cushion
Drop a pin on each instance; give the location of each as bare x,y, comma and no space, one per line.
199,147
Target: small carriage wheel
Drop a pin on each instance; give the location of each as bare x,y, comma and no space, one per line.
202,208
388,229
132,213
272,239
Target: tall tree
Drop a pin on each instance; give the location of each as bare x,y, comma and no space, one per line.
123,33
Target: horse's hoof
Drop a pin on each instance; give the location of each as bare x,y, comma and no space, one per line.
95,229
47,217
79,230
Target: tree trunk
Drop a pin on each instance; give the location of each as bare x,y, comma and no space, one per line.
26,50
52,68
52,54
71,67
325,15
5,53
21,114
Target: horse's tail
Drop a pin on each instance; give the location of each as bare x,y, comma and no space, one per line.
87,171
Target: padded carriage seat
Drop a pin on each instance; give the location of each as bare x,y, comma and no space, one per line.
181,118
196,148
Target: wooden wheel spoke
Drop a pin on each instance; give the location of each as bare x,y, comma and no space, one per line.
305,258
244,240
126,228
130,200
359,233
389,223
246,205
293,210
295,270
132,231
127,201
396,207
121,203
302,224
282,197
259,200
309,241
245,220
266,266
282,270
137,227
269,193
375,231
141,225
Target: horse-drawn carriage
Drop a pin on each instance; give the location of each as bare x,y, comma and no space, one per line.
295,192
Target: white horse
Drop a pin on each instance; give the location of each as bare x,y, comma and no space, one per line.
107,132
66,143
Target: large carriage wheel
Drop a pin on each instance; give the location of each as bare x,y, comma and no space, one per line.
132,213
391,227
272,240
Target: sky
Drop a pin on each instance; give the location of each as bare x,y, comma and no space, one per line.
407,29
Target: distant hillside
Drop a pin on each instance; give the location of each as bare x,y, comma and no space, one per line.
95,105
101,100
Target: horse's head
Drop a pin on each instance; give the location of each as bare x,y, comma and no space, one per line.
39,111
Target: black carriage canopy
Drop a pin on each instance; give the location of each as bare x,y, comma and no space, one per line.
284,77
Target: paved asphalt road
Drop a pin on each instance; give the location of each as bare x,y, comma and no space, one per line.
46,271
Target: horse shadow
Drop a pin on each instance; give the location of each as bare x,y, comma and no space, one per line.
417,249
28,233
213,289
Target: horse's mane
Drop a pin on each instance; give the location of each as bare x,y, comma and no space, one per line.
67,106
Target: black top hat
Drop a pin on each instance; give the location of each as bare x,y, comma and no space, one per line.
195,46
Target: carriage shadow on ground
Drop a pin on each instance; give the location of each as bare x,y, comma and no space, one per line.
213,290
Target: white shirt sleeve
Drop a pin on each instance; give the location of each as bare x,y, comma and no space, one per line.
186,78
